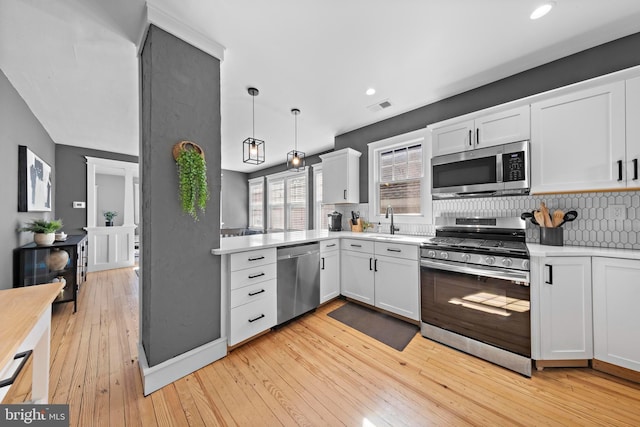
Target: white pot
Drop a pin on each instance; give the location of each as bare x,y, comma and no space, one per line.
44,239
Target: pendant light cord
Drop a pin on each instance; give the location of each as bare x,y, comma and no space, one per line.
253,116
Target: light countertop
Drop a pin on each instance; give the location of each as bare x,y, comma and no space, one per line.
536,249
229,245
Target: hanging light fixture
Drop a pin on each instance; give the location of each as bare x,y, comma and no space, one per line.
252,148
295,158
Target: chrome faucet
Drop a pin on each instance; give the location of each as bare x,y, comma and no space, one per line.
392,228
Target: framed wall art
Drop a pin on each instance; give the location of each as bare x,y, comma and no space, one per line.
34,182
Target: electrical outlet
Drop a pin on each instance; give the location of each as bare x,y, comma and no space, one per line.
79,205
617,212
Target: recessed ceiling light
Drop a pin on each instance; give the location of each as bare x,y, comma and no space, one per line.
542,10
370,91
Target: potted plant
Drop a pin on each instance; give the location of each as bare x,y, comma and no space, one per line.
108,217
192,177
44,232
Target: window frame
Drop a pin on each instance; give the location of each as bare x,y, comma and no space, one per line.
258,180
285,176
396,142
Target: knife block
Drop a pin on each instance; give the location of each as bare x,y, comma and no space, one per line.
357,228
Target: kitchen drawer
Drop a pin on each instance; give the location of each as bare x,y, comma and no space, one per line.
329,245
242,260
252,275
254,292
250,319
357,245
397,250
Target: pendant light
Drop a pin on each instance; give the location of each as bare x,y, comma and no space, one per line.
295,158
252,148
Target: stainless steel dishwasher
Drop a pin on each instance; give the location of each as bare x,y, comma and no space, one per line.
298,280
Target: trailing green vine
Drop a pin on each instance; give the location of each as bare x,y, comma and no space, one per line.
192,177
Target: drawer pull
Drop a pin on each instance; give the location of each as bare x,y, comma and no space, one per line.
256,318
330,246
256,258
394,250
356,246
253,294
256,275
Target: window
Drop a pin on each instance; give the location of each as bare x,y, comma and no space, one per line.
397,178
256,203
287,201
320,211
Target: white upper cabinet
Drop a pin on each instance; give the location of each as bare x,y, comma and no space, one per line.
341,176
501,127
632,168
578,140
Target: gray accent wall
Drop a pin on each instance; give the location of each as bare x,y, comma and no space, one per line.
18,126
235,199
180,99
604,59
71,175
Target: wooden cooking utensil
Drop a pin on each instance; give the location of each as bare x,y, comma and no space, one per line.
539,216
558,217
545,213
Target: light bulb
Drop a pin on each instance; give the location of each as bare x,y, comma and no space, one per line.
253,149
295,160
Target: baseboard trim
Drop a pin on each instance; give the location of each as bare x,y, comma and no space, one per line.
158,376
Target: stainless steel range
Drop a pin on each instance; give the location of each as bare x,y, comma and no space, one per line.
475,289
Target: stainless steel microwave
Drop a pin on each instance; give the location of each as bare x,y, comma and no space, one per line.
500,170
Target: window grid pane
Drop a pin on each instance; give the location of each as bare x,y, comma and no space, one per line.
256,208
399,180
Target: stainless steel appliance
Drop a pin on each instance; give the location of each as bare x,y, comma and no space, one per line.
298,280
493,171
335,221
475,289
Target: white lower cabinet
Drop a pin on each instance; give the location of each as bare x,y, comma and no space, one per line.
329,269
253,294
382,274
564,285
616,315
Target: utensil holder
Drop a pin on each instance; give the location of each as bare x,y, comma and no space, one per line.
551,236
357,228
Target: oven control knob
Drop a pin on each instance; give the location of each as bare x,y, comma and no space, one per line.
490,260
466,257
507,262
444,255
525,264
431,254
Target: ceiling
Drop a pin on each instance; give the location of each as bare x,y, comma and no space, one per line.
75,61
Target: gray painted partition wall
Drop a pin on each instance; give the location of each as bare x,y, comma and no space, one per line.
18,126
180,99
604,59
71,176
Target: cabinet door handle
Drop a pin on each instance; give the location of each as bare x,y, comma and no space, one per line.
255,275
330,246
256,318
470,137
549,281
394,250
370,268
635,169
322,268
355,246
256,258
345,194
253,294
619,170
477,136
375,265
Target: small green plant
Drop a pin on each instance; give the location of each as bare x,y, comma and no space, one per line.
43,226
109,215
192,177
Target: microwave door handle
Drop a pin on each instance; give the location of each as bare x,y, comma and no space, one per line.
470,138
501,274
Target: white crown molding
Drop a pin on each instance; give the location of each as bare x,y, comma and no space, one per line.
180,29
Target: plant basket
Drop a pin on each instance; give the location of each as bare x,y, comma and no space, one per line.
186,145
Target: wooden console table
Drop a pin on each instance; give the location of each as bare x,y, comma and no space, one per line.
25,316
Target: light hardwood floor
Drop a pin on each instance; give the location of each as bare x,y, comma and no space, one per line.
315,372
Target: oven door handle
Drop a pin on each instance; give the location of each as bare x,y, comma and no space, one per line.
496,273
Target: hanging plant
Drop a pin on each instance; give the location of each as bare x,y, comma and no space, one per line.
192,177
